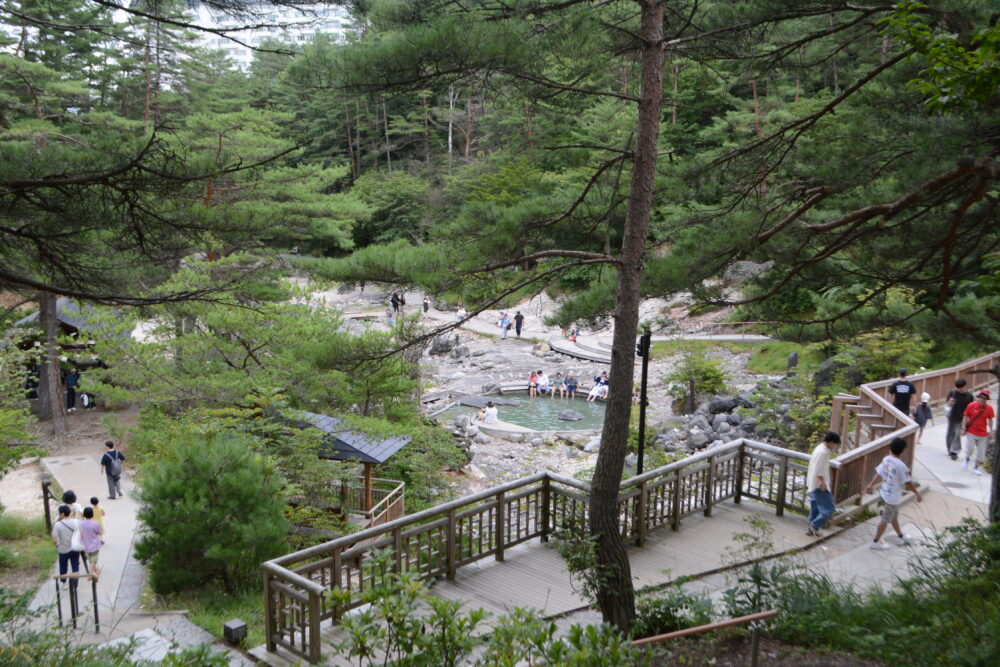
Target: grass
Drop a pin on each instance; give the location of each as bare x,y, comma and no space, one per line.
668,348
212,606
772,358
26,552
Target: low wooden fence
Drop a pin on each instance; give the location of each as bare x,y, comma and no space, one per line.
438,541
388,498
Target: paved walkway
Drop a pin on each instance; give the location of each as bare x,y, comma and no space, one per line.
122,578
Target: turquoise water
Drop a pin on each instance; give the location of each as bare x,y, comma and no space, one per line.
540,413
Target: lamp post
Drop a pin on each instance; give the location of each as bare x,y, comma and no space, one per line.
642,349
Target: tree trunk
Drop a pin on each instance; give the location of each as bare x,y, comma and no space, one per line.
50,391
451,119
468,126
616,596
350,144
385,124
427,129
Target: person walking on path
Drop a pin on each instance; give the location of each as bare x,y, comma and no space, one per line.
62,538
958,401
518,323
111,465
72,379
504,325
98,513
821,505
895,476
902,391
427,305
978,427
923,414
75,508
92,536
394,303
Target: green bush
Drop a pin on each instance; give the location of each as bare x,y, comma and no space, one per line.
213,512
708,375
673,610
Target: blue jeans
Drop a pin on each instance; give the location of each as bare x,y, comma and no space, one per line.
72,559
820,508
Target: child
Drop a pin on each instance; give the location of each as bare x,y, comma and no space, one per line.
922,413
98,514
895,477
532,383
90,533
571,385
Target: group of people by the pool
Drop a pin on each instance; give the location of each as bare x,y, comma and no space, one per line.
539,384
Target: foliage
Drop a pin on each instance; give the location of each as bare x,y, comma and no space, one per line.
209,607
25,547
771,358
15,419
578,549
791,413
880,354
755,586
945,612
402,624
708,375
674,609
211,513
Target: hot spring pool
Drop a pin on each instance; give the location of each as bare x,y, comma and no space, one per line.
540,413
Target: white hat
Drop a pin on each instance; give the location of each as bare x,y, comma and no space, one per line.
925,397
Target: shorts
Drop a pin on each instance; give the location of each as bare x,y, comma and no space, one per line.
889,512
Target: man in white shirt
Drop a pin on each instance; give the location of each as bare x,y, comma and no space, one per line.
488,415
543,383
895,477
821,505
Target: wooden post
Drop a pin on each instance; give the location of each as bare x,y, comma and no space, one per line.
338,580
640,518
546,510
269,614
315,653
782,485
501,523
46,494
709,485
676,523
368,488
451,549
397,549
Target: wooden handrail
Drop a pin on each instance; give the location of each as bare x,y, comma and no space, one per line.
702,629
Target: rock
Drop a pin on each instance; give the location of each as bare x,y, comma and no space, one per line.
462,422
496,358
721,404
482,439
557,359
540,347
702,410
569,415
719,420
486,365
631,460
572,453
459,351
724,428
593,444
479,353
829,371
697,439
473,471
739,271
716,443
698,422
793,361
748,426
537,442
744,401
676,446
444,344
472,431
735,418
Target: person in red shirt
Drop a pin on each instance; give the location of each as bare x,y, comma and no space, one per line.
977,425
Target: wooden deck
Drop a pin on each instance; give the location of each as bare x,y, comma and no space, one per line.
534,576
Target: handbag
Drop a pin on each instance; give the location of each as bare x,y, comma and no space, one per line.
76,541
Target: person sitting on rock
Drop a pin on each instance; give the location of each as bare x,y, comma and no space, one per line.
532,383
571,385
488,415
559,384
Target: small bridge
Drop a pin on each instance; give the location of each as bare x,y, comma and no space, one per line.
511,522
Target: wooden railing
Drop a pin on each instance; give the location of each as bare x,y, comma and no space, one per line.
388,498
868,422
438,541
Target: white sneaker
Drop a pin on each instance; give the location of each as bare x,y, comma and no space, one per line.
880,546
978,471
965,466
905,540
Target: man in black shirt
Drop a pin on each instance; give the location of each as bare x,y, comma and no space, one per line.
958,400
902,391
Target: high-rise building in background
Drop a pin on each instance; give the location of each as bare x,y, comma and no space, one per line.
285,24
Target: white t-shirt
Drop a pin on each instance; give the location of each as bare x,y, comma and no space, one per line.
490,415
543,380
895,475
819,466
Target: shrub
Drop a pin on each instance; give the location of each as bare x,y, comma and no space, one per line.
708,375
674,610
213,512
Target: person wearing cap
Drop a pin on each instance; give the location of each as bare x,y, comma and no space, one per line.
902,391
977,425
922,414
958,401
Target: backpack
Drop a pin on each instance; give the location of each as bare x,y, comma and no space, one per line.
115,467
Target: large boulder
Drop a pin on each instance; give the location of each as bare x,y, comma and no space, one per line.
569,415
496,358
459,351
722,404
593,444
719,419
700,423
444,344
698,439
462,422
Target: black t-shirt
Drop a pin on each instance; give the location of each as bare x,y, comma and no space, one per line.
902,391
962,400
